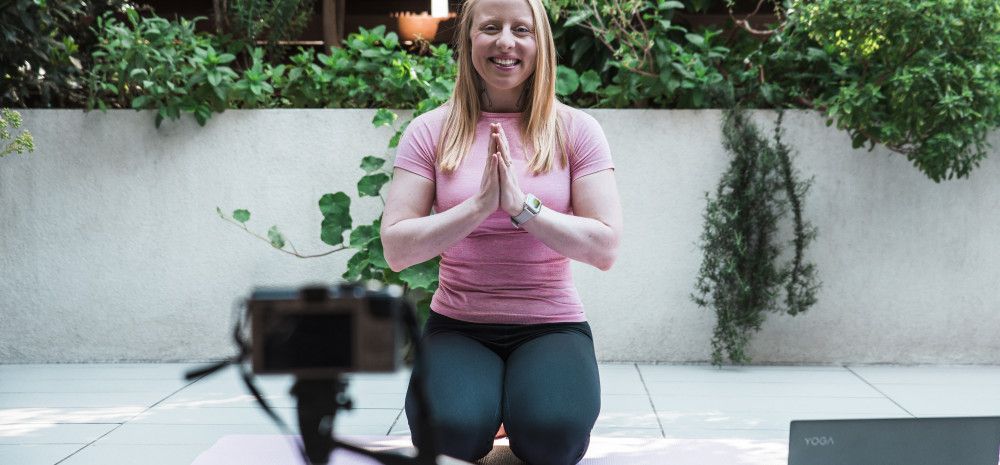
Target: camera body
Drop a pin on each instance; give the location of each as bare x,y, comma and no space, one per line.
319,332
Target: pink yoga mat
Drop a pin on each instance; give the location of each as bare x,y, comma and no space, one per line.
243,449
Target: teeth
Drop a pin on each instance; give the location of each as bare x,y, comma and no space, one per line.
504,62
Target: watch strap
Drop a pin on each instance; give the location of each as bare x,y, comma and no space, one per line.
531,208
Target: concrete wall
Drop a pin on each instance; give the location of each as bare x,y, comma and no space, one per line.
110,248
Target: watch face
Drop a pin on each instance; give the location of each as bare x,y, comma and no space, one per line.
535,203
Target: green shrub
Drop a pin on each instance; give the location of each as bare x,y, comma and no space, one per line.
370,70
922,78
656,62
23,142
152,63
39,65
585,63
253,89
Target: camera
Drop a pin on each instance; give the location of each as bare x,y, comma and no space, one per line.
319,332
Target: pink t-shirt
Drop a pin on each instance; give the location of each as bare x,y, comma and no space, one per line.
498,273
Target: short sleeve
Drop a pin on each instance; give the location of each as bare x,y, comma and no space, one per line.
415,152
589,149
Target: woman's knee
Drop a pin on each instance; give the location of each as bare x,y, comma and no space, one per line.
458,436
555,440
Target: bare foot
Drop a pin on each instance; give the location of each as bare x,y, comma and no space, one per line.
500,433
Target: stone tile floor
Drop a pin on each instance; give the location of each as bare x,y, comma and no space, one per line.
109,414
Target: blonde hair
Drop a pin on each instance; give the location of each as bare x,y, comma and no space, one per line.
541,130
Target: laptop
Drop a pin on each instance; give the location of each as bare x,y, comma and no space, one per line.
895,441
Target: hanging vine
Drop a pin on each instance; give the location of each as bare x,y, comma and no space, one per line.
740,276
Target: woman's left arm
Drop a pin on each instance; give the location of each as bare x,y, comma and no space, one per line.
592,234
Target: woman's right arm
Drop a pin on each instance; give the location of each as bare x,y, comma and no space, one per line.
410,235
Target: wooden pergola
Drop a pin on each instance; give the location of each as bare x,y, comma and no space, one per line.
333,22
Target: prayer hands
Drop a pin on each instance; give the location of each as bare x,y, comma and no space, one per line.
511,197
489,187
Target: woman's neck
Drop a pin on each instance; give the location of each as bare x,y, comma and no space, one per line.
502,102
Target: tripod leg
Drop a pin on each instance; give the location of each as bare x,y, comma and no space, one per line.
317,408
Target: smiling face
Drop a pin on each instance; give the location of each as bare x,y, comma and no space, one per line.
503,47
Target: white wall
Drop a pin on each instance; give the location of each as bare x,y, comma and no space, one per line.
110,248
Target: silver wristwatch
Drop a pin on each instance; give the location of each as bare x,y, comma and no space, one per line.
531,208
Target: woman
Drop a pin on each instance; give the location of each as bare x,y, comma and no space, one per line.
520,184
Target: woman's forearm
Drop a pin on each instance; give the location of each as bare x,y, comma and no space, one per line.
576,237
417,240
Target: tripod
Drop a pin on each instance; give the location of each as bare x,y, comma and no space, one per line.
318,401
319,397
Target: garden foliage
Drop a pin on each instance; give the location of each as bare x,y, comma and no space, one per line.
741,277
152,63
166,66
12,142
654,62
415,78
44,47
920,77
269,21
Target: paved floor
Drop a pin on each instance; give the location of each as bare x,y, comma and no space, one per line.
109,414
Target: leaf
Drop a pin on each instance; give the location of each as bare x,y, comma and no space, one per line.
695,39
577,18
672,5
424,308
336,209
355,265
383,117
697,99
768,93
816,54
241,215
371,185
371,163
609,36
590,81
133,16
362,235
422,275
277,240
376,257
567,81
581,46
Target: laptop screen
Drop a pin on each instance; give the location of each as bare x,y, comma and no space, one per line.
895,441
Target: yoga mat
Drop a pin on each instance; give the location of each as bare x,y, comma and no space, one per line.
247,449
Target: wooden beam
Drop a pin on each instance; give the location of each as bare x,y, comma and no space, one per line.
333,22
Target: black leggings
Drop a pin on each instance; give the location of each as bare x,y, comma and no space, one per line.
540,380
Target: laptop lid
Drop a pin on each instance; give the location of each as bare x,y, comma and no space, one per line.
895,441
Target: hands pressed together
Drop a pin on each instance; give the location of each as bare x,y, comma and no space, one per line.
499,188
